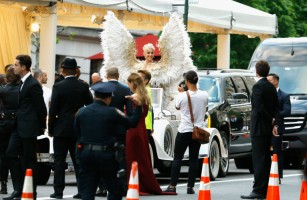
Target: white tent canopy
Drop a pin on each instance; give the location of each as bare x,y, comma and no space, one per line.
218,15
234,16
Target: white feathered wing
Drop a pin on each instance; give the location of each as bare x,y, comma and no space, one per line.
118,46
175,47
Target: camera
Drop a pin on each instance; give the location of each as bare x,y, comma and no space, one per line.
183,85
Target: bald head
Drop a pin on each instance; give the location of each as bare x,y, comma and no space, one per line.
96,78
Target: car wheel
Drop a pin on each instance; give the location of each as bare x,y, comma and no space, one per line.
293,162
244,163
214,160
164,166
43,171
224,165
168,141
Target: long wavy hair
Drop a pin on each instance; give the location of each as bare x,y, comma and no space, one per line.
139,87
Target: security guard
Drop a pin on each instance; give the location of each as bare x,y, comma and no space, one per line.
95,125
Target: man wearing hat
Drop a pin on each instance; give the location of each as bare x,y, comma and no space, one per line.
94,126
68,96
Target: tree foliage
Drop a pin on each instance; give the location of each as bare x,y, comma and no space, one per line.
292,22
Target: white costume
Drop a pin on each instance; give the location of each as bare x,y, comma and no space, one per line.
174,43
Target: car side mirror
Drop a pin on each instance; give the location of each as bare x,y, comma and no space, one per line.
224,105
240,97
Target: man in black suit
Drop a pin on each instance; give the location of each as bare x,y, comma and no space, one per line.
119,101
68,96
30,123
284,111
264,123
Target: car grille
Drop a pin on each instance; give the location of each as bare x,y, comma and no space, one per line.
295,123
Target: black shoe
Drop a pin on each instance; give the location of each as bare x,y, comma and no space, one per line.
279,181
170,189
56,196
253,195
77,196
102,193
190,190
14,195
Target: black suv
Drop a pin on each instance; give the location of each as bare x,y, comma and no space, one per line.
229,112
288,58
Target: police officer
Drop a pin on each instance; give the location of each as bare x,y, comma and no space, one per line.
95,125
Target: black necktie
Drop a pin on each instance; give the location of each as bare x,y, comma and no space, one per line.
20,86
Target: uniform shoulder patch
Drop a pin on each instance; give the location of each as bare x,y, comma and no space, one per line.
120,112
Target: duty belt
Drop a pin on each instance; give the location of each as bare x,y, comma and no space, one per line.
94,147
7,115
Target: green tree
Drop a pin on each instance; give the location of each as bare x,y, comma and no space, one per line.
292,22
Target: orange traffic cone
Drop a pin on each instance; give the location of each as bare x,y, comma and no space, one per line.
303,195
204,187
273,188
27,191
133,187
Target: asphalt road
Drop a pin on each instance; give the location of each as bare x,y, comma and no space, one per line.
237,182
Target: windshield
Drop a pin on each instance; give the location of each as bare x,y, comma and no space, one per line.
212,86
291,76
288,61
272,53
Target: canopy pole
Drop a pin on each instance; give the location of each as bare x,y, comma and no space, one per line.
186,14
223,51
48,44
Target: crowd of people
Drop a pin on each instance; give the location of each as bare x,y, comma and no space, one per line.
108,125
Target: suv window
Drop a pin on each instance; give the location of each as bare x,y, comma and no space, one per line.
229,88
212,86
250,81
239,85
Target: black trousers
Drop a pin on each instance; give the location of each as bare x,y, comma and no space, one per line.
4,168
277,149
261,156
97,165
184,140
61,147
21,154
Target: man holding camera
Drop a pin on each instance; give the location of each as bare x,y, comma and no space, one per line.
199,100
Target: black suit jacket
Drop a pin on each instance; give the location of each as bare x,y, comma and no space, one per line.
284,108
32,112
68,96
119,101
264,108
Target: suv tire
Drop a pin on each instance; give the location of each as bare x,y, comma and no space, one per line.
214,160
224,164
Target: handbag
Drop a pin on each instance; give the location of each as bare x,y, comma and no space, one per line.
199,134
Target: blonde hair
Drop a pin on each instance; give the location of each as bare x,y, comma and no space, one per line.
139,87
148,46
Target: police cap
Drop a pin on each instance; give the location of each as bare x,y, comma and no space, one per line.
104,88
